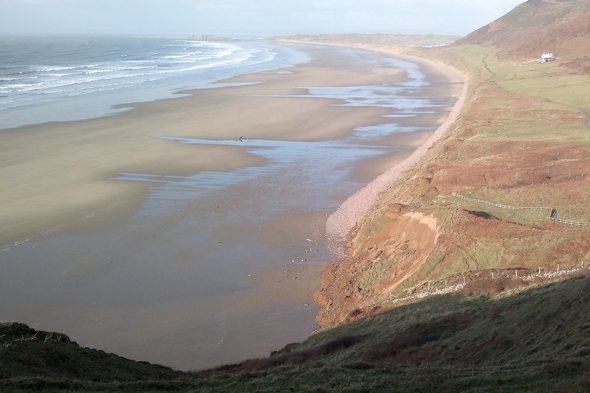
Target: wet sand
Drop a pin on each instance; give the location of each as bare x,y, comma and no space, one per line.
79,158
165,271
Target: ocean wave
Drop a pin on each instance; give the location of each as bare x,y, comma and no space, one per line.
96,72
19,86
142,61
78,92
182,62
108,70
206,66
136,68
80,73
182,56
51,69
70,79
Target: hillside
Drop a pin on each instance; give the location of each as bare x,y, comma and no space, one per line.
516,341
536,26
521,141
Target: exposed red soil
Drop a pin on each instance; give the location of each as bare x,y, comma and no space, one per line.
406,241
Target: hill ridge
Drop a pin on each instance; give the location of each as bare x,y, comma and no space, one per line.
538,26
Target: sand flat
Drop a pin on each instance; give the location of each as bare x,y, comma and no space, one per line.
57,174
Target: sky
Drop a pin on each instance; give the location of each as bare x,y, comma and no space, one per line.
249,17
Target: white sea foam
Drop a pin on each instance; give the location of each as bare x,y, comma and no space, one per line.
108,71
96,72
142,61
50,69
136,68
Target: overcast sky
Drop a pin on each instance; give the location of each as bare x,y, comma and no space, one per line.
249,17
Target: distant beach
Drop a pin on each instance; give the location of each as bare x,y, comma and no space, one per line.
191,231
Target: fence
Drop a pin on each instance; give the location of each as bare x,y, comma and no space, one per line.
549,274
454,288
552,214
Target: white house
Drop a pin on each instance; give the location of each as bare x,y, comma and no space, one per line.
547,57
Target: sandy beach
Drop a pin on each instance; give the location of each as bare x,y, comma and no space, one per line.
117,266
79,158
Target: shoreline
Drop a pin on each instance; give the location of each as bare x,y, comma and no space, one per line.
344,219
341,222
76,180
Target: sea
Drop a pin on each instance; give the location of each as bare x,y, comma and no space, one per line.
63,78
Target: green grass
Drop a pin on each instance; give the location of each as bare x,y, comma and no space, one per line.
26,353
544,81
371,225
374,274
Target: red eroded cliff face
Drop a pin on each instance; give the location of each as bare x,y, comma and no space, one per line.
384,260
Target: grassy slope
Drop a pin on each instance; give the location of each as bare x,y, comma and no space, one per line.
26,353
539,26
532,340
